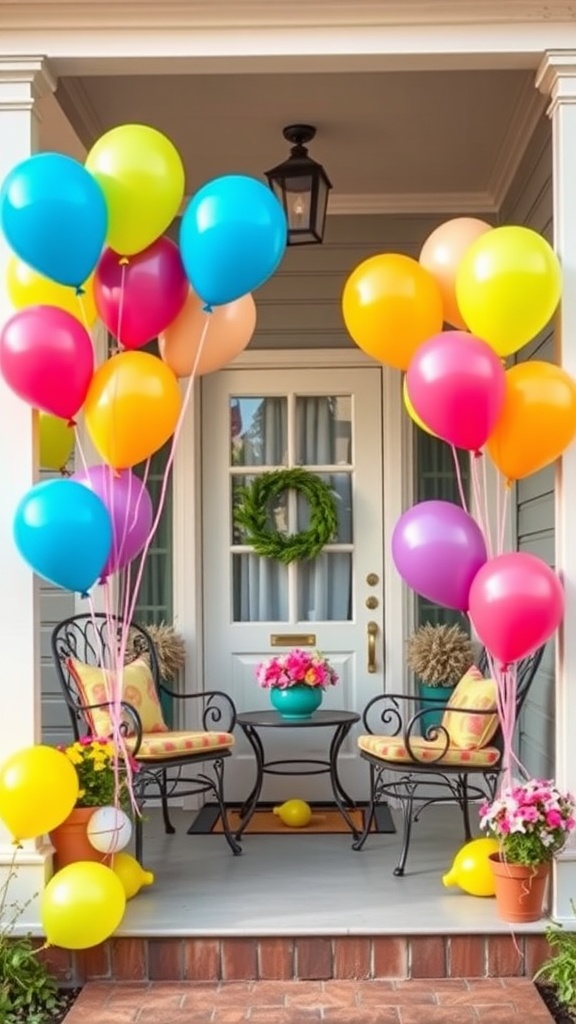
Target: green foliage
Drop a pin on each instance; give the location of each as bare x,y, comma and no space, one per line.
560,969
525,848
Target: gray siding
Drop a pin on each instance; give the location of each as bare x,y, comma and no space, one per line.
530,203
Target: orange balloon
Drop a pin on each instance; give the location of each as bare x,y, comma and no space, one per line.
132,408
538,420
391,305
230,328
412,411
441,255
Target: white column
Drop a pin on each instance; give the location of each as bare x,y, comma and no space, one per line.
22,81
557,79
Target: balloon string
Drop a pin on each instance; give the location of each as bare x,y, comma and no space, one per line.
140,494
80,448
485,495
506,680
478,502
121,301
458,472
114,683
503,519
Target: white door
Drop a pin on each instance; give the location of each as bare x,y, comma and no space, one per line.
330,422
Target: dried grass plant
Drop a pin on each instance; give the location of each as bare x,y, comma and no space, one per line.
170,649
439,655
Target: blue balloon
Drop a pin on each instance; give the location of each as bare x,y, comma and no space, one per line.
54,216
232,237
63,530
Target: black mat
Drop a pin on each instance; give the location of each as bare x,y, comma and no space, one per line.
208,820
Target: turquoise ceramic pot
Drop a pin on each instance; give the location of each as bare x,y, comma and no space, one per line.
297,702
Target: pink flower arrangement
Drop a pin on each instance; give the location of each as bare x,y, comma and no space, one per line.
531,819
296,667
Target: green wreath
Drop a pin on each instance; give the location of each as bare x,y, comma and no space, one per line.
252,511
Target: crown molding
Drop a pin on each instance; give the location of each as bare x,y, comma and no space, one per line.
411,203
79,109
530,107
28,78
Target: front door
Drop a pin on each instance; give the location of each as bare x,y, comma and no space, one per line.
330,422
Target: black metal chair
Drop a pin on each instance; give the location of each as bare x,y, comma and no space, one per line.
446,766
93,640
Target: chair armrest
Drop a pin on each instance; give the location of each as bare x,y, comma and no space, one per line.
131,724
391,712
218,712
434,733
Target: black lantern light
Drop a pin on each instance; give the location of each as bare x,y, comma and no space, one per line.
302,186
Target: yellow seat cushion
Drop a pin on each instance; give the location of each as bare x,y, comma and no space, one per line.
393,748
173,744
95,687
470,732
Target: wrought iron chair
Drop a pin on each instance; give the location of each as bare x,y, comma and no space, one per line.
162,756
426,759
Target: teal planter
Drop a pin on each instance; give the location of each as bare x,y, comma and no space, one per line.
297,702
435,698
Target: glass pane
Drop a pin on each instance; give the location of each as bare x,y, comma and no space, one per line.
258,431
325,588
277,511
324,430
341,485
259,589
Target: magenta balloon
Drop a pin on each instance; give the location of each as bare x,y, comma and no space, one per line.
140,299
516,604
438,549
129,506
46,357
456,384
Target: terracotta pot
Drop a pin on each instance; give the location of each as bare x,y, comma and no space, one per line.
70,840
519,890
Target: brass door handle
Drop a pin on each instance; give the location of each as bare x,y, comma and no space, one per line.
372,629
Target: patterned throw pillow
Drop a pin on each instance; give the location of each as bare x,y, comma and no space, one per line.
470,732
137,689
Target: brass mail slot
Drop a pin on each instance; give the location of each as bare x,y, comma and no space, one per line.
293,640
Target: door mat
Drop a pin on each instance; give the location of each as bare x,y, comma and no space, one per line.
326,818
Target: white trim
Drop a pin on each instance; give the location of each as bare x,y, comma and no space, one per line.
291,359
529,109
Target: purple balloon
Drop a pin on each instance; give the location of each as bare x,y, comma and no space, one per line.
438,548
129,506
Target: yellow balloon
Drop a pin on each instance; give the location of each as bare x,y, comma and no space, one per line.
508,286
131,408
38,789
471,869
142,176
26,287
132,875
412,411
82,905
56,441
294,813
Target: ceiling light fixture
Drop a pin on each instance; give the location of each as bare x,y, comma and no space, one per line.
302,186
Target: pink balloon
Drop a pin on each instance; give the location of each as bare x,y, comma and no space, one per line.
139,299
457,384
516,604
130,508
46,357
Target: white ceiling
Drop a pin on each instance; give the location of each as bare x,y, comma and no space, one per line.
395,134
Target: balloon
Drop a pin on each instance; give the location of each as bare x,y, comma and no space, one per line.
457,385
26,287
230,329
131,874
538,420
38,790
109,829
390,306
438,549
46,357
132,408
53,215
508,286
516,604
64,533
232,237
294,813
130,509
412,412
441,255
142,177
56,441
82,905
139,299
471,869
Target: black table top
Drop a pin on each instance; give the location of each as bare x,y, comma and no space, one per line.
273,720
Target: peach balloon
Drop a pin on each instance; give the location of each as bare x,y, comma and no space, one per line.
441,255
230,328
